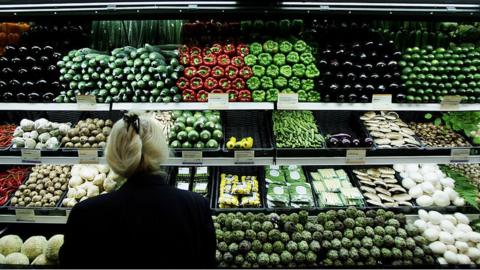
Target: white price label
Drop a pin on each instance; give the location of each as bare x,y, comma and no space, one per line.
460,155
202,170
183,186
356,156
382,101
87,156
25,214
86,102
31,155
287,101
217,101
192,157
450,102
244,157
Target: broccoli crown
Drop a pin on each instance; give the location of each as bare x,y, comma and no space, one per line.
389,214
390,230
418,252
256,226
407,254
379,230
289,227
292,247
369,221
367,242
284,237
328,235
257,246
332,254
299,257
263,259
346,243
267,248
351,212
250,235
236,224
222,246
375,252
321,218
245,225
227,257
245,246
393,222
400,243
228,237
371,261
250,217
341,214
388,241
238,235
401,232
328,262
371,213
364,253
262,236
303,216
246,265
239,259
356,243
326,244
343,253
379,221
377,240
274,235
299,227
251,257
315,246
294,217
286,257
337,234
278,247
331,215
369,231
336,244
360,222
267,226
381,212
307,236
420,240
297,237
339,225
260,217
309,226
353,253
233,248
397,253
311,257
274,259
303,246
317,236
412,230
386,253
349,223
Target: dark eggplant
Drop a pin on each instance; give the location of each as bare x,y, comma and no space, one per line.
347,88
334,87
332,141
368,67
356,142
41,85
368,142
15,62
44,60
364,99
8,96
358,88
370,88
322,64
36,72
33,97
363,77
35,50
351,77
4,62
10,51
334,64
327,98
48,97
28,87
56,57
400,98
14,85
381,88
22,74
346,142
3,86
22,51
339,76
48,50
352,98
380,66
341,98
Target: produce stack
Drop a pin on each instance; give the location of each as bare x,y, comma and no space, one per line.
237,191
282,67
36,250
287,187
88,133
65,36
29,74
215,69
127,74
429,74
296,129
6,135
39,134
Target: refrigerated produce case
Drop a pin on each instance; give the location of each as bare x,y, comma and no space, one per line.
307,125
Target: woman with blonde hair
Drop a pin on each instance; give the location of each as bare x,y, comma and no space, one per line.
146,223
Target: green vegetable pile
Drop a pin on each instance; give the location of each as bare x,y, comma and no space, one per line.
282,67
429,74
196,130
337,238
146,74
296,129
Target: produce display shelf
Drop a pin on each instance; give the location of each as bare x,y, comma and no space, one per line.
420,107
46,160
52,107
371,160
192,106
221,161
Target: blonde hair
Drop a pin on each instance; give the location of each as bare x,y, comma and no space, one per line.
129,152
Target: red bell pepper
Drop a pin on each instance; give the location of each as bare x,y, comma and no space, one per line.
189,72
217,91
223,60
238,84
203,71
202,96
229,49
244,96
216,49
237,61
225,84
210,83
246,72
184,59
196,83
184,49
188,95
209,60
242,50
218,72
196,60
232,95
231,72
182,83
207,51
195,51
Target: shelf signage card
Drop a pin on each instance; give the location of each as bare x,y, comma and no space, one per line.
382,102
450,102
86,102
244,157
87,156
192,157
356,156
287,101
217,101
460,155
25,214
31,156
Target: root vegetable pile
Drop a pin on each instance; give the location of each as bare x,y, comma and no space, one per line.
39,134
36,250
437,136
88,133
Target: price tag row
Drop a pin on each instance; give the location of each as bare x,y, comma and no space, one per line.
85,156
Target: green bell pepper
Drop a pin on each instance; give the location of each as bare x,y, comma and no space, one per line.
258,96
250,60
312,71
300,46
313,96
253,83
308,84
279,59
270,46
256,48
298,70
264,59
293,57
258,71
280,82
302,95
272,95
285,47
266,82
286,71
306,58
273,71
294,83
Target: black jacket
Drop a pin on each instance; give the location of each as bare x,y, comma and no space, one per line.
145,224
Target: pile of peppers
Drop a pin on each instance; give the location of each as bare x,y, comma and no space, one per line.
10,180
219,68
6,135
282,67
